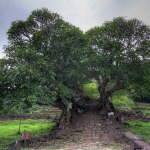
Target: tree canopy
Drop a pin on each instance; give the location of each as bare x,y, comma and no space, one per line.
44,59
121,52
48,59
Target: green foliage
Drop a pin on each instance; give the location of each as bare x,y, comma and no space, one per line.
91,90
122,93
144,108
123,101
9,129
120,55
47,58
122,98
44,60
139,128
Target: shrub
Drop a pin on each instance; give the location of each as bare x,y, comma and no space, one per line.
91,90
120,101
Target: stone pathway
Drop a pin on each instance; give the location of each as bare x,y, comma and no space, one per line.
89,132
89,126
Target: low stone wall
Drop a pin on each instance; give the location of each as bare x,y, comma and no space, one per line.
135,142
132,115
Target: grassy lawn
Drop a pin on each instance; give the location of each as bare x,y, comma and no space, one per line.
146,112
9,129
139,128
143,107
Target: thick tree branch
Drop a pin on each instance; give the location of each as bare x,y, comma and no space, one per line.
102,86
60,104
118,86
41,104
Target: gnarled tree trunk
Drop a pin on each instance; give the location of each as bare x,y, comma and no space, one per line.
65,115
105,103
69,115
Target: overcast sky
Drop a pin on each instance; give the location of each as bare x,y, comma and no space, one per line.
81,13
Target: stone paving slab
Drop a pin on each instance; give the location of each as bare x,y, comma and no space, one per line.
137,142
91,126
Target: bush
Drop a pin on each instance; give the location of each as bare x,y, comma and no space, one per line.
120,101
91,90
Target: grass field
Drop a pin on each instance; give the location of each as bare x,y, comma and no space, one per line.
144,107
9,129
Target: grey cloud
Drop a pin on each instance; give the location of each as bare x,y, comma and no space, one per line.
81,13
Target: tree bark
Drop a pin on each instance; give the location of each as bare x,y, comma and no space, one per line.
105,103
66,114
106,95
19,123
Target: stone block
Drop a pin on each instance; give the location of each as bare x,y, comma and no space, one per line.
132,137
141,145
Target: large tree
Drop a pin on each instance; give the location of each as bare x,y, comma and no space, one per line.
120,58
49,60
44,62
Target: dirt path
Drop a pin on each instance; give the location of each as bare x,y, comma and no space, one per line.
69,145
